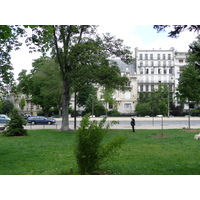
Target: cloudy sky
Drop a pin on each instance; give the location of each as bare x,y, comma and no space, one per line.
141,36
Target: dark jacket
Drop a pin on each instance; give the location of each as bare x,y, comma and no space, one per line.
133,122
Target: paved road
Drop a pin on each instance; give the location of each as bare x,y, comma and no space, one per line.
141,123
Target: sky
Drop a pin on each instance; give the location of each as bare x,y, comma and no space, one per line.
141,36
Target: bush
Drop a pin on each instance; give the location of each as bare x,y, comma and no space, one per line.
89,150
143,109
113,113
15,126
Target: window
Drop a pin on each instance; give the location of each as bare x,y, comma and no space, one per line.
146,63
152,63
180,61
163,56
164,63
152,70
158,56
152,88
110,106
170,88
169,56
181,69
141,63
127,106
159,64
141,71
170,63
151,56
146,56
141,88
170,70
159,71
127,95
147,71
147,88
165,71
140,56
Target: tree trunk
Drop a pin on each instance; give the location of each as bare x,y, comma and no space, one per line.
65,106
75,111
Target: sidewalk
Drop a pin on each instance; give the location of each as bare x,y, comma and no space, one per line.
143,119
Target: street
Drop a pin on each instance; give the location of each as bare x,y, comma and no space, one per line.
141,123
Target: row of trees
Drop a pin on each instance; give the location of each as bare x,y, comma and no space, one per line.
82,57
154,103
44,85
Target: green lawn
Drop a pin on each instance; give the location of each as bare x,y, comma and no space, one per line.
51,152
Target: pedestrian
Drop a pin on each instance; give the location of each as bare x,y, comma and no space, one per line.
133,124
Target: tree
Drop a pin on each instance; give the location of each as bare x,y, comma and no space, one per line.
93,105
177,29
8,42
43,84
107,96
90,151
22,103
15,126
189,85
143,109
159,100
194,54
80,50
83,94
7,106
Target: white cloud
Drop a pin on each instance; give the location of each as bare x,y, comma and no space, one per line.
22,59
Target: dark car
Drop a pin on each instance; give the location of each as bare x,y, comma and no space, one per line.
40,120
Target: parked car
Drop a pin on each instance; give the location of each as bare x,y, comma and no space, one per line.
40,120
4,118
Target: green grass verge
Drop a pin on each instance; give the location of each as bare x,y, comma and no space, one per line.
51,152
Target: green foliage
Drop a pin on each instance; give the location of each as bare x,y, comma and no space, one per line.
43,84
22,103
93,105
177,29
189,85
15,126
8,42
157,100
7,106
143,109
114,112
84,93
90,151
80,50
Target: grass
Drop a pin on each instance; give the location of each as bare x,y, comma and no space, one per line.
51,152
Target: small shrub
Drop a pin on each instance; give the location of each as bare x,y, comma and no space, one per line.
15,126
89,150
113,112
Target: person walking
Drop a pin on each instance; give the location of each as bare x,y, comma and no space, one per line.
133,124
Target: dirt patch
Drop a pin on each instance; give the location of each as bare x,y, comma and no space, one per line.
191,130
160,136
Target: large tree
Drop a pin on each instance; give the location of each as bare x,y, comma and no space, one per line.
189,85
43,84
83,57
8,42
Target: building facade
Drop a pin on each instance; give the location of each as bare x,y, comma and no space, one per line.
154,67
